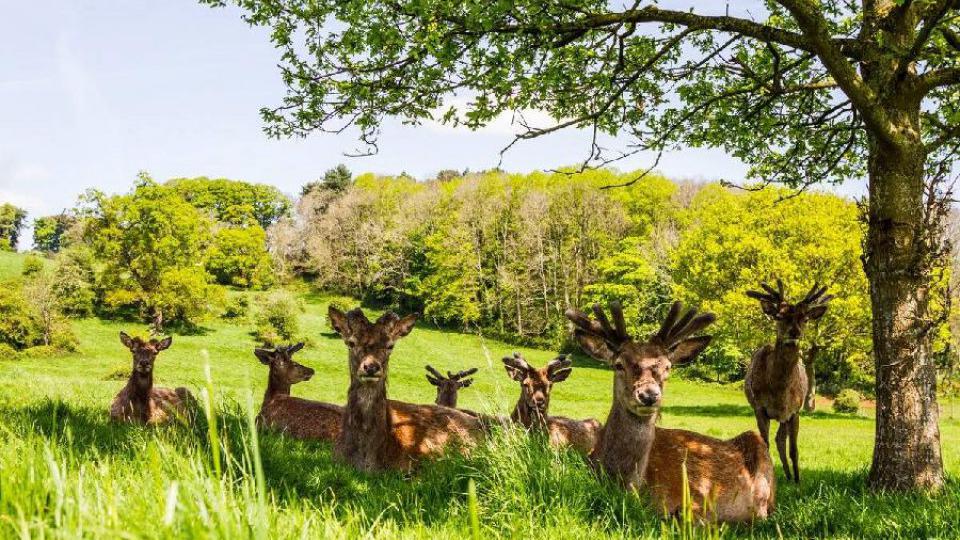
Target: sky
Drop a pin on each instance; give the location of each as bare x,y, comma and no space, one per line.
94,91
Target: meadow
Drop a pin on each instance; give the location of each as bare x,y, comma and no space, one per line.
67,472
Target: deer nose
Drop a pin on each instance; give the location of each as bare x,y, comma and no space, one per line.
648,397
539,401
370,369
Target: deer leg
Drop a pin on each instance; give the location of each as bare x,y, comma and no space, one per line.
794,431
782,431
763,425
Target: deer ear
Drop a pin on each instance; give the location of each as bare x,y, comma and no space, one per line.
560,375
816,313
465,383
514,373
404,326
432,381
688,349
295,348
126,340
264,355
164,343
338,320
595,346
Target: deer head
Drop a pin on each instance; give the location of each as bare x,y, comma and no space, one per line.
370,343
791,318
144,352
641,368
449,385
535,384
283,369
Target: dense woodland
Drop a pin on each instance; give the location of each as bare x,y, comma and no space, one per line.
492,253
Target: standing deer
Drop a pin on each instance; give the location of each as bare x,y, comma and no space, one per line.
776,381
449,386
139,400
728,480
299,418
378,433
533,404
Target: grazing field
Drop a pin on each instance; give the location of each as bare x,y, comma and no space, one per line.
66,472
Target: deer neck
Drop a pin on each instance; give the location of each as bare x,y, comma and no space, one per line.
140,386
276,386
783,362
367,436
527,416
624,449
447,398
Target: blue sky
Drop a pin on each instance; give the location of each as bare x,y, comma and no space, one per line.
93,91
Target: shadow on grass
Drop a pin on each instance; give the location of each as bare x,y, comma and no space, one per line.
729,409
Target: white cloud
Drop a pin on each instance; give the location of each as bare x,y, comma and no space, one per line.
505,123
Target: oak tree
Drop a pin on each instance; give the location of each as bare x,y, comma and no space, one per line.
804,91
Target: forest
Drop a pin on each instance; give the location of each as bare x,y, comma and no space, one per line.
490,253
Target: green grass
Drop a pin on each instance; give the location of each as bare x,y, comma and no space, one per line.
11,264
66,472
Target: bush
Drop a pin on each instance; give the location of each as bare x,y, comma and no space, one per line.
847,401
236,308
73,278
32,265
18,327
8,353
278,318
63,339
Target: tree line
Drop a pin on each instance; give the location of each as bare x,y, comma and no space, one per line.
506,254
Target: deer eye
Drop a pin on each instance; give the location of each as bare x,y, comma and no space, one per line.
352,342
618,366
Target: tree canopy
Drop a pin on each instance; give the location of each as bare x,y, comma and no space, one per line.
11,224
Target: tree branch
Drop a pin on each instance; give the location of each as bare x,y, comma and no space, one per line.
810,19
693,21
937,78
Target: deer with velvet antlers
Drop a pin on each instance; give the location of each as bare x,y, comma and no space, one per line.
140,401
531,410
728,480
776,381
449,385
296,417
378,433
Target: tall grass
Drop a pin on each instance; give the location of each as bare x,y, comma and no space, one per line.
69,473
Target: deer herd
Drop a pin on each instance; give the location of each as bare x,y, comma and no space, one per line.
727,480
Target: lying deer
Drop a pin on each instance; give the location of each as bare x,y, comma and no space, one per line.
776,381
378,433
728,480
533,404
139,400
299,418
449,386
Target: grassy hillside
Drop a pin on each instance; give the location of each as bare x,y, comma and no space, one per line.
66,472
11,264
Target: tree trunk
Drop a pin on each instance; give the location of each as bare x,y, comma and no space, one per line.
897,262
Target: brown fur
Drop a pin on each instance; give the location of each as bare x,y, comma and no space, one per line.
378,433
296,417
728,480
776,382
139,401
448,387
532,408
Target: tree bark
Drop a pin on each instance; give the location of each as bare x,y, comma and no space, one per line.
897,262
